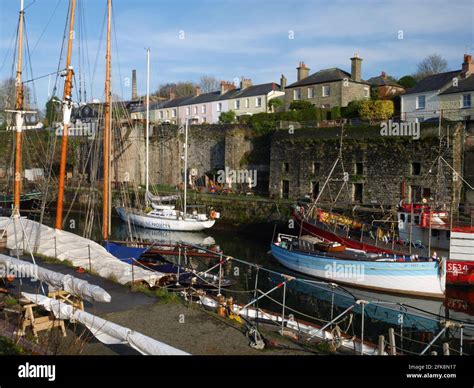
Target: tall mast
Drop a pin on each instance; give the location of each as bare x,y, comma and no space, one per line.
147,134
107,124
185,166
67,109
19,112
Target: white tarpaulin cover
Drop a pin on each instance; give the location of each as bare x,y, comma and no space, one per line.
63,245
56,280
105,331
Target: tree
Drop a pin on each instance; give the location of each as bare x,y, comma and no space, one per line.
52,111
275,104
227,117
180,89
209,84
432,64
300,105
376,110
407,82
351,110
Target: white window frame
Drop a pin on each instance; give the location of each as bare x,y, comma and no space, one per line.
188,111
195,110
463,105
326,90
418,105
173,113
258,102
311,92
237,104
203,109
162,115
296,94
366,92
219,106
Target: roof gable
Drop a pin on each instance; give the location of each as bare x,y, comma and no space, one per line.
323,76
434,82
464,85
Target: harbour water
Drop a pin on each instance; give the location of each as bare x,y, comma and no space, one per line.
414,319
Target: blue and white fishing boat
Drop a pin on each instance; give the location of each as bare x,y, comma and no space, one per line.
381,272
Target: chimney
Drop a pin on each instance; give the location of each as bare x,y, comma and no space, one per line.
134,85
302,71
172,95
226,86
197,91
383,75
245,83
283,83
467,66
356,68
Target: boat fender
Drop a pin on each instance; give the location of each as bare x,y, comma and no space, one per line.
256,341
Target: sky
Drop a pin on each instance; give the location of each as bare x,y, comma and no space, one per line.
257,39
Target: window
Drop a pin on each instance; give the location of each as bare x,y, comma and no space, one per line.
316,168
326,91
366,92
286,167
420,102
173,112
204,119
258,102
315,189
203,109
466,101
167,114
359,168
311,92
297,94
357,191
195,110
415,194
219,107
188,111
237,104
402,217
162,114
427,192
416,168
285,189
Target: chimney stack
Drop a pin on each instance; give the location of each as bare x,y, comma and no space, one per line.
134,85
302,71
226,86
172,95
245,83
383,75
197,91
283,83
356,68
467,66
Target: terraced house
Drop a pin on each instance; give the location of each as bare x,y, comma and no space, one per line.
204,108
449,91
328,88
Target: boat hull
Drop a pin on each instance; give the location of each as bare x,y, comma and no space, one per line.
460,273
424,279
159,223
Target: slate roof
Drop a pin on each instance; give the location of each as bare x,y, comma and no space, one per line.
381,81
464,85
323,76
433,82
255,90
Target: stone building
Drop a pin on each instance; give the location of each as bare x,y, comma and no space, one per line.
328,88
385,86
379,170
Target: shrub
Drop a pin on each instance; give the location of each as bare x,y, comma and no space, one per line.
227,117
300,105
376,109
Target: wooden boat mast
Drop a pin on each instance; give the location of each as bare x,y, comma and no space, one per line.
19,113
67,109
107,125
147,134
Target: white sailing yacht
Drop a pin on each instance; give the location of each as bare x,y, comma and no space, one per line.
165,217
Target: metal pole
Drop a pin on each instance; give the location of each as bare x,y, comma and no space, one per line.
283,309
185,167
179,266
90,263
362,330
263,295
220,275
461,339
330,323
433,341
391,338
147,134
